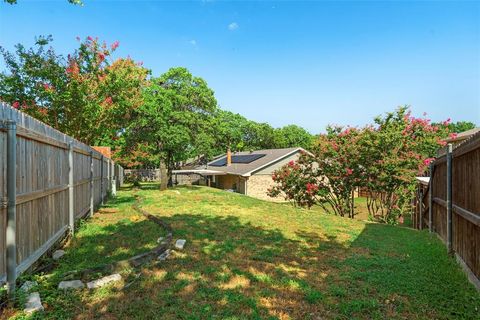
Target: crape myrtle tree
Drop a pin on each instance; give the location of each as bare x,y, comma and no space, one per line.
327,177
297,182
399,148
384,158
174,123
87,94
340,168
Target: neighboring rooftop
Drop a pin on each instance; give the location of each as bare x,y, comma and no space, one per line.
246,162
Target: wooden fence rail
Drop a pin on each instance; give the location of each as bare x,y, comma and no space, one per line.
57,180
449,204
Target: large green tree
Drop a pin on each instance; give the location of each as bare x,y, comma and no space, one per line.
293,136
175,121
456,127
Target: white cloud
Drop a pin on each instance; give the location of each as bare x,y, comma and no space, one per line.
233,26
193,42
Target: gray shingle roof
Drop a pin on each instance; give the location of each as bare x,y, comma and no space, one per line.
245,169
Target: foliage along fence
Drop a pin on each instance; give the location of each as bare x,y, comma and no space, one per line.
450,203
48,198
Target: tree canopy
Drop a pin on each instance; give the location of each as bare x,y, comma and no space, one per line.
87,94
174,120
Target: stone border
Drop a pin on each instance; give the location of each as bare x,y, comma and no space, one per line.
134,261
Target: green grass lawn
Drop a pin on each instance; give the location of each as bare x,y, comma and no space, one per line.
250,259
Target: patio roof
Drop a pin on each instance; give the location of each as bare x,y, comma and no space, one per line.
423,180
203,172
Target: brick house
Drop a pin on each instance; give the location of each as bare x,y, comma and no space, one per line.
248,172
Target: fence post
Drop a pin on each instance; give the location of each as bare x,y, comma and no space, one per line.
430,200
108,175
449,199
11,127
101,180
92,205
420,207
71,216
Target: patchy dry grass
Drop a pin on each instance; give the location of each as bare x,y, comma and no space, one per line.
249,259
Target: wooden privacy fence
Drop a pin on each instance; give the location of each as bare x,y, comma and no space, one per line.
449,203
48,180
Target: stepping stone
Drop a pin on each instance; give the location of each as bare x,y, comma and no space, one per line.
103,281
33,303
58,254
72,284
28,285
164,255
180,243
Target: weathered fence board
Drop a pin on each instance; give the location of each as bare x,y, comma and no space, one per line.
465,184
42,186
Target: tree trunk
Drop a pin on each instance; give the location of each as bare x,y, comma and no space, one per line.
163,176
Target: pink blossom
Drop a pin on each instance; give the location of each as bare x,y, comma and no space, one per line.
453,135
47,87
428,161
349,171
89,38
16,104
73,68
311,188
115,45
101,56
108,100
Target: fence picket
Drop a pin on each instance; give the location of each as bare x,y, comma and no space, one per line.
54,184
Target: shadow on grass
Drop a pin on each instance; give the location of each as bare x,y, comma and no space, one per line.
117,201
99,245
235,270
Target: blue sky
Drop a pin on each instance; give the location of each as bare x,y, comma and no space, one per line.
308,63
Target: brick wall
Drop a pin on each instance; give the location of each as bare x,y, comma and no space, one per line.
106,151
257,186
